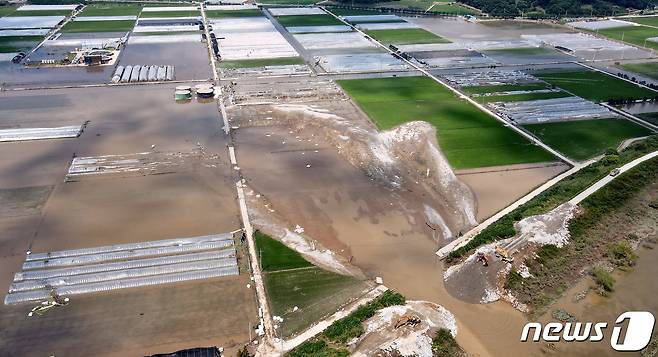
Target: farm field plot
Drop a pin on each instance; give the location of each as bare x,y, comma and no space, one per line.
503,88
40,13
10,44
6,10
522,97
405,36
253,63
354,12
468,137
99,26
444,8
185,13
216,14
111,10
307,20
650,117
595,86
635,35
649,69
287,2
650,21
584,139
292,281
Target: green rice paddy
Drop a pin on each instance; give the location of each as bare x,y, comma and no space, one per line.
40,13
468,137
405,36
6,10
99,26
252,63
649,69
185,13
503,88
650,21
9,44
650,117
216,14
636,35
584,139
108,9
291,282
595,86
308,20
521,97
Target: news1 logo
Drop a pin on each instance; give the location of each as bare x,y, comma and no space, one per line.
637,334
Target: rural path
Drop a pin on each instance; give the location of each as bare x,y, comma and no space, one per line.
461,95
261,295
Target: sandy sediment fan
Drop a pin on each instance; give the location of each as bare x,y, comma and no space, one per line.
25,134
89,270
146,73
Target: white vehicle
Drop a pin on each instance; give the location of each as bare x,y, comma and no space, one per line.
614,172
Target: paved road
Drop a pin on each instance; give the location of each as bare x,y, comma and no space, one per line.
444,251
604,181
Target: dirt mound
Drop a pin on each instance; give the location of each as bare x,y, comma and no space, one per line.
404,330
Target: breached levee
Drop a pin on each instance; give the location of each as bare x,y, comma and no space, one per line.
404,157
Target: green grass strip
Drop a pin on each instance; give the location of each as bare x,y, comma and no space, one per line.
307,20
218,14
503,88
405,36
10,44
153,14
40,13
649,69
107,9
99,26
253,63
522,97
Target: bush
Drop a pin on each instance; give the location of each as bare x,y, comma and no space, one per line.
622,254
604,280
351,326
514,279
444,345
316,347
547,252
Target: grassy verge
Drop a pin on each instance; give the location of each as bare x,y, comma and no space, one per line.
405,36
99,26
333,340
556,195
503,88
596,86
521,97
468,137
298,291
444,345
253,63
218,14
307,20
108,9
594,237
584,139
40,13
186,13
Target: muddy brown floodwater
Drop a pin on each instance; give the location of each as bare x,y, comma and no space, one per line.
382,230
43,212
497,187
